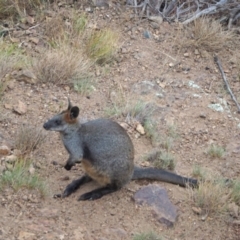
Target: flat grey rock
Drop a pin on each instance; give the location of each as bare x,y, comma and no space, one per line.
156,197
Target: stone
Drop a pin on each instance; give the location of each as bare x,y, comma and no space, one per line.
23,235
30,20
8,106
197,210
31,169
157,19
140,129
20,108
10,84
4,150
157,199
34,40
233,209
11,159
26,76
101,3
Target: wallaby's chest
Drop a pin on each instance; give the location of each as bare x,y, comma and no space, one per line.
73,145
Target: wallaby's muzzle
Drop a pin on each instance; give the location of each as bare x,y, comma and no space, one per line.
46,126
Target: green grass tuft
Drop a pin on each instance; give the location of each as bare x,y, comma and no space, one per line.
235,192
216,151
150,127
83,85
102,45
19,177
161,159
147,236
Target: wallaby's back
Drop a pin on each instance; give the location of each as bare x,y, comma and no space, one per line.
108,148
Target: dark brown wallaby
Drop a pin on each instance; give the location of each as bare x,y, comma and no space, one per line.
106,153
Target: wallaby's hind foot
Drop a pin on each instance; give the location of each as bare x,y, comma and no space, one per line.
74,185
98,193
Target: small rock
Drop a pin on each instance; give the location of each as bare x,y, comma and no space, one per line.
8,106
216,107
31,169
157,19
124,50
21,108
15,40
202,115
98,72
170,64
197,210
140,129
11,159
17,152
186,54
10,85
26,235
26,76
67,88
30,19
66,178
34,40
79,233
196,52
4,150
233,209
101,3
145,164
124,125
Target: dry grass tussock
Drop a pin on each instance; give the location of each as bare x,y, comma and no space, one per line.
205,33
16,8
211,197
29,138
61,65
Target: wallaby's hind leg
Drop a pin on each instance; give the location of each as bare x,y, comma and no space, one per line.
74,185
98,193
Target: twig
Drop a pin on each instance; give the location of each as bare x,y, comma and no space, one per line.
226,82
33,27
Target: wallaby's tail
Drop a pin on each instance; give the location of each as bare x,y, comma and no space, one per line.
163,175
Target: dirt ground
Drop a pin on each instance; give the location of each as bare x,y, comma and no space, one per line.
156,71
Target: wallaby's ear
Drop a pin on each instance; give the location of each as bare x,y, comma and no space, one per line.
69,104
74,111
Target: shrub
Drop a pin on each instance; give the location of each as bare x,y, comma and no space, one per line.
206,33
61,65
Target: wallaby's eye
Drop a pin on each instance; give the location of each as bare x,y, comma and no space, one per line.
57,122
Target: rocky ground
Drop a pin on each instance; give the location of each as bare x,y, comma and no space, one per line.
186,87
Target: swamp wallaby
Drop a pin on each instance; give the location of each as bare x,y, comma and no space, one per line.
106,153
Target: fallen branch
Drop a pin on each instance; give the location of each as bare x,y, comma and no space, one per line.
186,11
226,82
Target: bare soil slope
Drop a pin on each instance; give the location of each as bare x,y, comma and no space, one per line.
156,71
